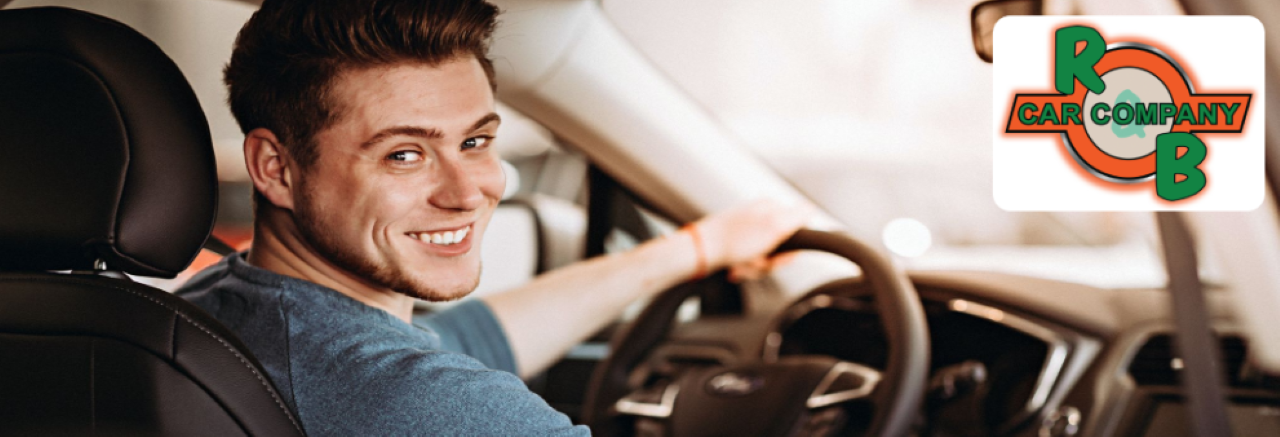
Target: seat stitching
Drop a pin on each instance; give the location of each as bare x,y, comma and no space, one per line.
256,374
224,344
240,357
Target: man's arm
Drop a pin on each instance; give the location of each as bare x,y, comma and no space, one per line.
560,309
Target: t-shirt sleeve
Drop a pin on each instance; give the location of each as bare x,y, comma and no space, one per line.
470,328
433,393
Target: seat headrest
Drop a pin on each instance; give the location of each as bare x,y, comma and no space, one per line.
105,153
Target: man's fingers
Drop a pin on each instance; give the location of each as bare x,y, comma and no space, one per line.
752,230
789,218
759,267
748,271
782,259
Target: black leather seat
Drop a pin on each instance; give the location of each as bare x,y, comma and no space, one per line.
106,166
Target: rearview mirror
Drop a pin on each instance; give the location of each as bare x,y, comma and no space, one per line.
985,15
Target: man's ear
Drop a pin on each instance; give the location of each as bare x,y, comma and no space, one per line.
270,167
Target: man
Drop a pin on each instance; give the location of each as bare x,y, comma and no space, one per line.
368,129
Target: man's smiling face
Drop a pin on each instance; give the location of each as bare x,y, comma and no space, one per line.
405,179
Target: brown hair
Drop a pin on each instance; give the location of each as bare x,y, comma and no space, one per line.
288,54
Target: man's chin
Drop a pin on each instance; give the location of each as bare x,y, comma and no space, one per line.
435,291
437,295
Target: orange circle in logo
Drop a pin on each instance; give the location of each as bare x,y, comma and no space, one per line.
1131,55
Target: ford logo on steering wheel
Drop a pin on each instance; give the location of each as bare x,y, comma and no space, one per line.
734,384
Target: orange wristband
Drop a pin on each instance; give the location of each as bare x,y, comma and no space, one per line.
700,270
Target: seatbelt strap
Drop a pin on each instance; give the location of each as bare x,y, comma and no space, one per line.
1195,341
216,245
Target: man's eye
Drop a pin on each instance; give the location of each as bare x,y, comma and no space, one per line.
406,156
476,142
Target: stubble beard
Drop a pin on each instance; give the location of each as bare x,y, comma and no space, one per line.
312,226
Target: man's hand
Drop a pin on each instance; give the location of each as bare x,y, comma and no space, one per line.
740,238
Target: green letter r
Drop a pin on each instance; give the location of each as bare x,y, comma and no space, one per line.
1068,66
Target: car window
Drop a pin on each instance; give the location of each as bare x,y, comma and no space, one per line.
856,104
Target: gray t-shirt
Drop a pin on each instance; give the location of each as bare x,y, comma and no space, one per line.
350,369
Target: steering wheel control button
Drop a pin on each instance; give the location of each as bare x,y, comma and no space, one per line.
844,382
821,423
1063,422
734,383
656,402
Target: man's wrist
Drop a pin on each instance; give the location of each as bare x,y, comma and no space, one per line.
699,250
671,259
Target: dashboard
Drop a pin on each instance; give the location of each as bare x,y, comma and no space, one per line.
992,368
1010,355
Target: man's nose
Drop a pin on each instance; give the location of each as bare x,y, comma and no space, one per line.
457,188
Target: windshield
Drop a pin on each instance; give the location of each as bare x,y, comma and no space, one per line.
867,107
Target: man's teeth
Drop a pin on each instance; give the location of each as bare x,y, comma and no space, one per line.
442,238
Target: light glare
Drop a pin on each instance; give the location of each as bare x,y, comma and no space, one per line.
907,237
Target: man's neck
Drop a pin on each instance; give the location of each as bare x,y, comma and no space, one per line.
281,249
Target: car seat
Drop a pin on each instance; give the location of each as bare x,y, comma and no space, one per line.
106,168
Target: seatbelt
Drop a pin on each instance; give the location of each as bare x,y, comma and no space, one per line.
1195,341
216,245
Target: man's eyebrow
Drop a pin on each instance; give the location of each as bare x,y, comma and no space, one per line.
492,117
413,131
422,132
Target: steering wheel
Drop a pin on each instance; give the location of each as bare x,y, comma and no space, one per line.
793,396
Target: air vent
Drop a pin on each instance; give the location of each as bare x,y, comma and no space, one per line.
1156,364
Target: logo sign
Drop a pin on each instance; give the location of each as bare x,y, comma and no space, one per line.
1129,113
734,384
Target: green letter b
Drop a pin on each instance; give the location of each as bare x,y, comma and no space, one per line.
1169,165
